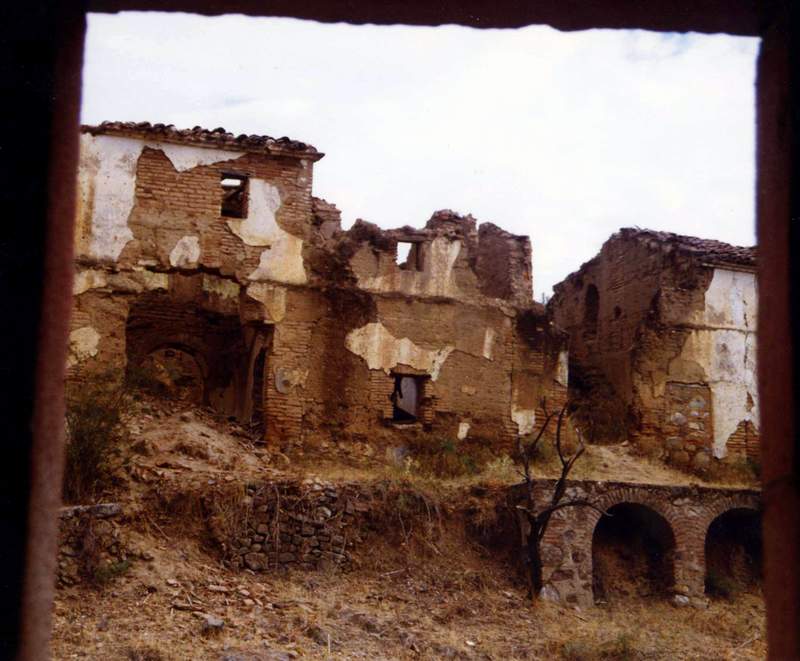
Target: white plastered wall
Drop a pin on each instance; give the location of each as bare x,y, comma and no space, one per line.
723,342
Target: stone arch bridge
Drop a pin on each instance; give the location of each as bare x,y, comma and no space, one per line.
689,511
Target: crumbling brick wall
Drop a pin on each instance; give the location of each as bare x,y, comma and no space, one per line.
163,262
669,323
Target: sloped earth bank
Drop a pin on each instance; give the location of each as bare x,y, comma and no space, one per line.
425,571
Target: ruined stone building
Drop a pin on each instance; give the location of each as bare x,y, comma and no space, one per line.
667,324
203,259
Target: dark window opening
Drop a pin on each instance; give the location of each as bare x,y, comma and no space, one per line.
406,397
409,255
632,554
591,309
617,312
234,196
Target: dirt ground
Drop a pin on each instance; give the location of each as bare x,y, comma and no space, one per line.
403,597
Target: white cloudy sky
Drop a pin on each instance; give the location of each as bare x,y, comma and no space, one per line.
565,137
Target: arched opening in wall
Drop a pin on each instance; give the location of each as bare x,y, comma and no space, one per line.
180,350
632,554
591,310
175,373
733,553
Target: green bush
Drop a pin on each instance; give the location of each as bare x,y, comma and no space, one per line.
94,432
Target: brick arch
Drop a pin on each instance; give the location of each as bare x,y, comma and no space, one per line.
580,525
712,512
732,502
659,504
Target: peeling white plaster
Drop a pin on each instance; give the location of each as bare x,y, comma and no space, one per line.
562,368
186,253
283,259
437,278
83,344
88,279
273,299
488,343
726,348
260,227
107,185
222,287
731,301
186,157
463,429
382,350
525,420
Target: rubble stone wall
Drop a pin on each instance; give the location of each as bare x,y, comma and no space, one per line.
92,543
298,526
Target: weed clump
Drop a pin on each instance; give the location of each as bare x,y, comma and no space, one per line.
95,430
621,648
448,458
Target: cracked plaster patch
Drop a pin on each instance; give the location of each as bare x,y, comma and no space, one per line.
83,343
222,287
107,185
525,420
382,350
186,253
271,297
88,279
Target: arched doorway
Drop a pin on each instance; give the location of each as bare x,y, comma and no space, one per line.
733,553
633,553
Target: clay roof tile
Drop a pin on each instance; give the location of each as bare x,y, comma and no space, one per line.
198,135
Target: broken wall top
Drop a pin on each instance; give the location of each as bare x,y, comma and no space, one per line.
451,257
709,252
198,136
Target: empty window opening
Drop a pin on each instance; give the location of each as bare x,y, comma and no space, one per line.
234,196
632,554
409,255
617,312
591,309
406,397
733,554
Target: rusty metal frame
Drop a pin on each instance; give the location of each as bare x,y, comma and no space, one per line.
42,56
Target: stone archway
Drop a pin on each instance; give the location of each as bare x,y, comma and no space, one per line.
733,554
567,544
633,554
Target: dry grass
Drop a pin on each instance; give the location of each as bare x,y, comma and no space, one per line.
432,580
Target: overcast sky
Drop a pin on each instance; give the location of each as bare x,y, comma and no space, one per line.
565,137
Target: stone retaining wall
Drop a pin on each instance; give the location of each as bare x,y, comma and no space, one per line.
305,525
92,546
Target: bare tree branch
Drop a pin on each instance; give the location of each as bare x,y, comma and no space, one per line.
533,523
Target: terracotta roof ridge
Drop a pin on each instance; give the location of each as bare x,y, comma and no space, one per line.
199,136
